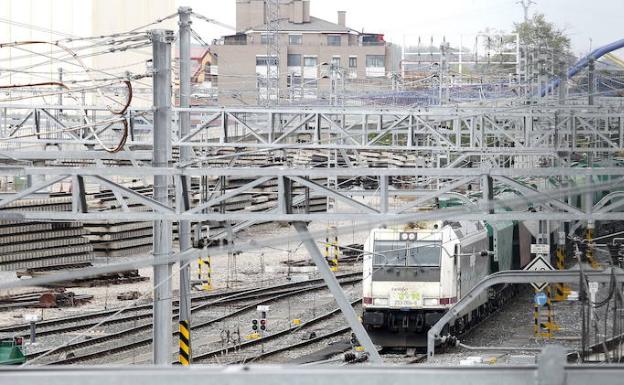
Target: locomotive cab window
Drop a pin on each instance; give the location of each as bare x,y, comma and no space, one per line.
400,253
389,253
424,253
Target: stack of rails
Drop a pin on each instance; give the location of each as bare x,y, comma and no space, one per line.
384,159
112,239
314,158
119,239
372,159
37,244
264,197
41,245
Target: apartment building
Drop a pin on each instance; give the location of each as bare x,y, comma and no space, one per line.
311,54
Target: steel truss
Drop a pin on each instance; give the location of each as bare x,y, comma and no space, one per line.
486,132
515,149
289,183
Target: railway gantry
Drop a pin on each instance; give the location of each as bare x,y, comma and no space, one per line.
547,155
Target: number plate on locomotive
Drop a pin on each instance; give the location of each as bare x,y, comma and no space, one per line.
403,297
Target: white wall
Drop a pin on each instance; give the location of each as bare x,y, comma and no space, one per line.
51,20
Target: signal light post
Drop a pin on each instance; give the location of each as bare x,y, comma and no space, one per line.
262,313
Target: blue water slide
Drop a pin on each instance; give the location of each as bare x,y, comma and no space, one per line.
584,62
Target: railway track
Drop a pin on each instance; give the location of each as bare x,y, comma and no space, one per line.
254,299
418,359
99,314
81,321
276,336
301,344
610,350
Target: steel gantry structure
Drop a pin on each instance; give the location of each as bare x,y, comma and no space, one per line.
552,202
546,155
462,131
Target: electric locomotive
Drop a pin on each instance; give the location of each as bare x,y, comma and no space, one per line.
413,274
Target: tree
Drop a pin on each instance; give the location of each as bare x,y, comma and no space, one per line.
539,34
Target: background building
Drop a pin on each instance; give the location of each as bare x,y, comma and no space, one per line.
310,58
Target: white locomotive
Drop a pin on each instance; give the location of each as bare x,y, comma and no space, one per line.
413,274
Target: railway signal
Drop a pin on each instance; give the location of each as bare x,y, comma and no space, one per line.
254,325
262,313
355,343
354,340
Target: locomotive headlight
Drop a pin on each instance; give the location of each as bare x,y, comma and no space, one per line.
430,302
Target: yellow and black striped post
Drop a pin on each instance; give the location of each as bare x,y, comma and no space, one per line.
205,273
327,245
536,320
562,290
543,329
184,355
590,250
551,325
335,252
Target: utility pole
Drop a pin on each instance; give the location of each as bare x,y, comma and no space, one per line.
184,233
60,96
162,330
563,83
272,16
591,81
526,4
333,85
444,88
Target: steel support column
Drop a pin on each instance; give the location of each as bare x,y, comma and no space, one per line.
184,233
591,82
336,290
162,329
563,85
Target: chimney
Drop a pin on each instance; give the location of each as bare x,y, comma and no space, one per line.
242,15
297,12
306,11
342,18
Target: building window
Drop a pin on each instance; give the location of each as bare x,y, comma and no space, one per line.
334,40
335,61
353,62
266,38
310,61
295,39
262,61
294,60
294,81
375,61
